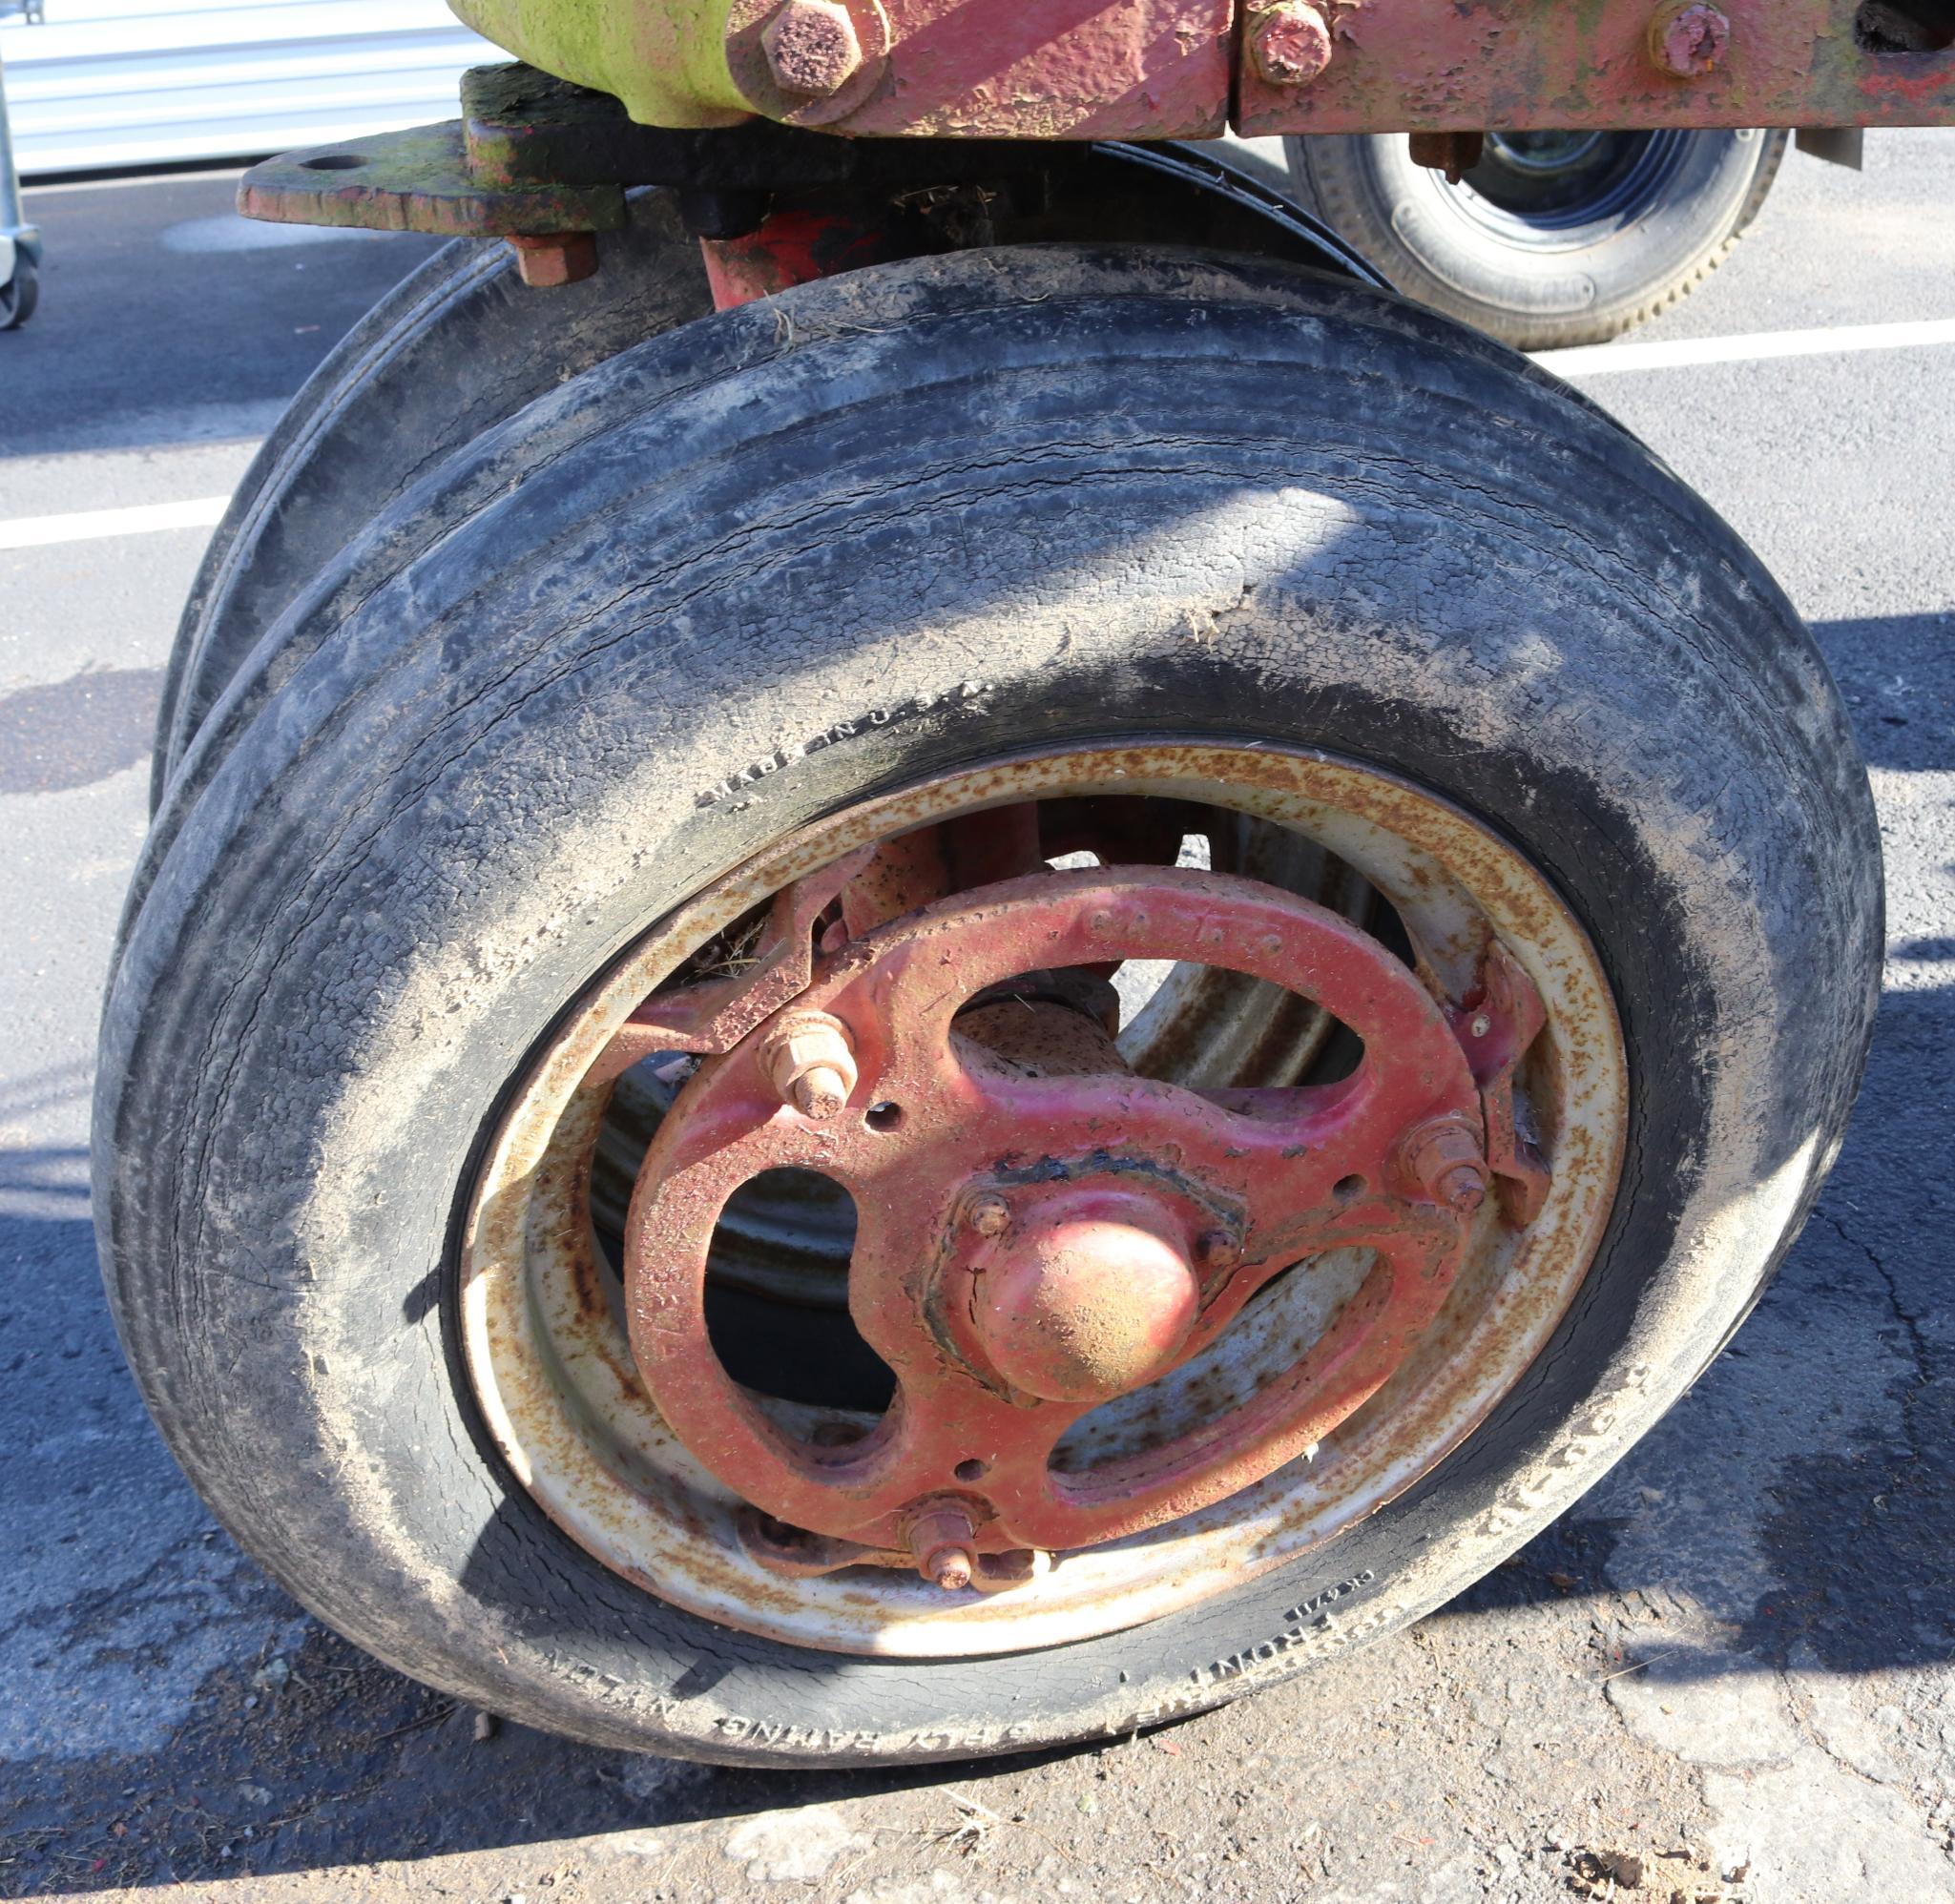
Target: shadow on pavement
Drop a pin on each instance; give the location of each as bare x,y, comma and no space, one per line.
150,273
314,1755
60,734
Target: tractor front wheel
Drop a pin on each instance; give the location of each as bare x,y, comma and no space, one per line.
968,1010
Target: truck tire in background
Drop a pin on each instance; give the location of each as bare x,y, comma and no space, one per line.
20,294
1553,239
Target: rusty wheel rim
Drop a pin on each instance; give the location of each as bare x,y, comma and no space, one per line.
899,1541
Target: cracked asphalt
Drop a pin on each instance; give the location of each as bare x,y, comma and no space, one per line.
1725,1675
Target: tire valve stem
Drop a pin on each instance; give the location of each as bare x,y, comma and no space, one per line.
942,1544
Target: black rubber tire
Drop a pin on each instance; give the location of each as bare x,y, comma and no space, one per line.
620,643
455,347
21,295
1590,278
460,345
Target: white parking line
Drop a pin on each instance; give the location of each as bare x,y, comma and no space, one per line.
92,525
1612,359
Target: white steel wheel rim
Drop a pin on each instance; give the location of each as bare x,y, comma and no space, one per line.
552,1374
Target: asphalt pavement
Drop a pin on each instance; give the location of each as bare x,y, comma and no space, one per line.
1725,1675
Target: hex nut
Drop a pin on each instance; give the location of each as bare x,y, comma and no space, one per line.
549,263
812,48
1454,154
1444,1158
1290,43
808,1059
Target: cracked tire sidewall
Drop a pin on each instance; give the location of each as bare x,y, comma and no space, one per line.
893,523
456,347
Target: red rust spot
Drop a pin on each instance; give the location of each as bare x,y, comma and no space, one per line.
1411,65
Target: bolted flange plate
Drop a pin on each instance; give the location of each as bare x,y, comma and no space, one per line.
1000,1206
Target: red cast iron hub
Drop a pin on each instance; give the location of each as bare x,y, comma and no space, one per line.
1035,1238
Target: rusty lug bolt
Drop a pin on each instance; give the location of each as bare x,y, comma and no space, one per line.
1290,43
1462,1189
942,1541
808,1059
950,1567
1690,41
1444,1158
812,48
988,1215
556,258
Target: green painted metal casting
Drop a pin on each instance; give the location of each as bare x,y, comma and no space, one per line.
1166,69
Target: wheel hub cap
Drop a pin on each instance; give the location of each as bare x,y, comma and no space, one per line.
1092,1300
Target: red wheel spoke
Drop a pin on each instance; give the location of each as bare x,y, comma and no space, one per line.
995,844
904,874
714,1014
1375,1223
1324,1388
1038,1230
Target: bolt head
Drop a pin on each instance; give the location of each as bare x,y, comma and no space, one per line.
549,263
1690,41
820,1093
951,1568
812,48
1290,43
989,1215
942,1541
